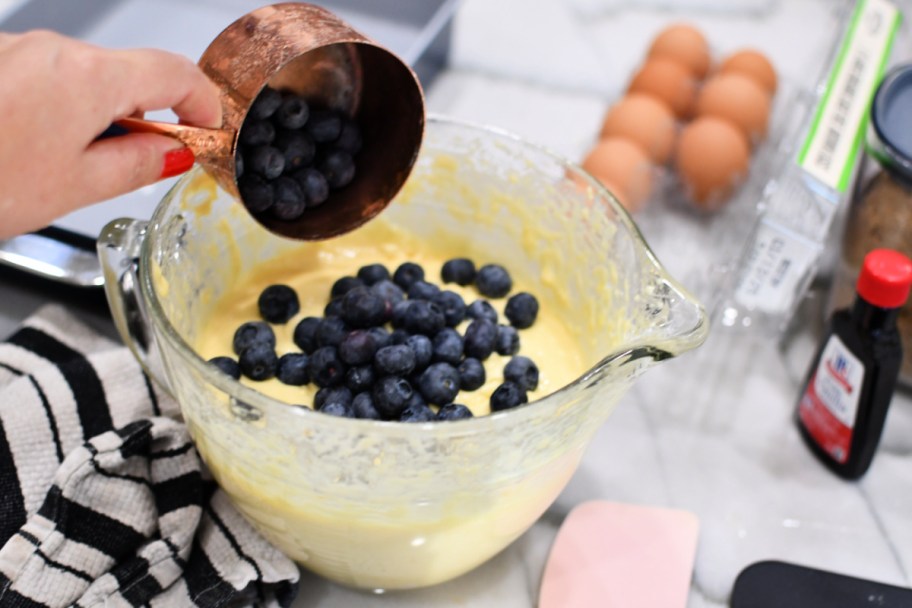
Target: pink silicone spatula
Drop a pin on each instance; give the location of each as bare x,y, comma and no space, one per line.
614,555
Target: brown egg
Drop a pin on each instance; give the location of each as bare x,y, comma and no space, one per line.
669,81
753,64
739,99
644,120
686,45
622,167
712,160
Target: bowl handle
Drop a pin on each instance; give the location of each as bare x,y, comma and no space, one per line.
118,249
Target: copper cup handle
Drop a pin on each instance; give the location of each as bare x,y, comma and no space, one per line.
209,146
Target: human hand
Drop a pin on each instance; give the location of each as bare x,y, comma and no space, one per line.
58,95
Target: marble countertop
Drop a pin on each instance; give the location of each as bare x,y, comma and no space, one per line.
710,432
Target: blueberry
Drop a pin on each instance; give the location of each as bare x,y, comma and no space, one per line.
471,374
253,332
363,406
278,303
227,365
372,274
521,310
292,369
395,360
350,137
339,168
399,336
344,285
522,371
338,409
258,362
289,199
256,193
305,334
399,313
422,290
507,395
324,126
493,281
265,104
391,395
417,413
381,336
481,309
423,317
325,367
439,383
453,411
333,308
416,400
357,348
452,305
479,339
257,133
447,346
388,290
297,148
423,349
360,378
363,308
266,161
238,165
331,331
314,185
407,273
292,113
458,270
507,341
330,394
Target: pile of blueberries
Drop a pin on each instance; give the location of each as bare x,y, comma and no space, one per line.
388,348
291,156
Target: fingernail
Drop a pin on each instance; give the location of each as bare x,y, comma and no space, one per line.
176,162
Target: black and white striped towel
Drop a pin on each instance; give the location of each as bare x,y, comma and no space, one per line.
103,499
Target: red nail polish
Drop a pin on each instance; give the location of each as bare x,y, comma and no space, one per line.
176,162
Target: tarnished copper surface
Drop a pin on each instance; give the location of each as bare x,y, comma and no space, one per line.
307,49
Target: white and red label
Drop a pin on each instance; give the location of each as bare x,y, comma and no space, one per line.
829,406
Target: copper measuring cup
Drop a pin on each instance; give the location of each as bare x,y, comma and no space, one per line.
310,51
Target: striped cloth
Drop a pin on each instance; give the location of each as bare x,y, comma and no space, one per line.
103,499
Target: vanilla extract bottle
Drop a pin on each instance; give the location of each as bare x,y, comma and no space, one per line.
851,380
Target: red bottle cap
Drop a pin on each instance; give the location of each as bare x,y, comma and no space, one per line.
885,278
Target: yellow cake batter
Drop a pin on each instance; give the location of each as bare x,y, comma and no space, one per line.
311,272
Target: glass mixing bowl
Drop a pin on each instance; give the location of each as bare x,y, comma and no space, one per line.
383,504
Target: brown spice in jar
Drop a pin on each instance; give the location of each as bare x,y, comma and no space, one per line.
883,218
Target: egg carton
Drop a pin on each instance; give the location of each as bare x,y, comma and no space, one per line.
751,261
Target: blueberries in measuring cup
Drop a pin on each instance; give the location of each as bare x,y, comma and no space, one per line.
302,154
266,103
256,192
